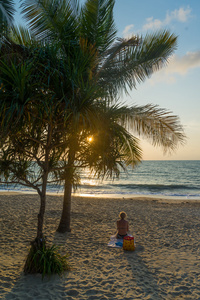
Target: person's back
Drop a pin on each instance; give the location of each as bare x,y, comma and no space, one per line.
122,226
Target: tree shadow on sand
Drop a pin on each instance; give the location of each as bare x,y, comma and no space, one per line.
33,287
144,278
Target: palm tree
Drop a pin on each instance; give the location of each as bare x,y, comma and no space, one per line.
114,66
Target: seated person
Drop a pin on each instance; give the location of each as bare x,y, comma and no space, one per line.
122,226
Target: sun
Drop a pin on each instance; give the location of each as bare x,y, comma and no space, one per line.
90,139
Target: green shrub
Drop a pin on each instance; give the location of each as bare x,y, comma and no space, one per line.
45,260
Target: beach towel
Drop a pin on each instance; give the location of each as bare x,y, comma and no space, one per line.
115,243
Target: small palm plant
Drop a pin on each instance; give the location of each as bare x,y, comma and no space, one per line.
45,260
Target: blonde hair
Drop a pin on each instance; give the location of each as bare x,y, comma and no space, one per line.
122,215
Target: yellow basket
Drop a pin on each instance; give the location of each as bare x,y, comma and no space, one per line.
128,243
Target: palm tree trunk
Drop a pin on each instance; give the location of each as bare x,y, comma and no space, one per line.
65,220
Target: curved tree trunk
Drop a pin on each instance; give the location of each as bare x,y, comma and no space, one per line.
65,220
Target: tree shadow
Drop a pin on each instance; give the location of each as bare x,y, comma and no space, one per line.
144,278
34,287
61,238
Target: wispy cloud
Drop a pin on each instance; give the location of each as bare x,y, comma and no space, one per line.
181,65
177,66
127,30
178,15
181,15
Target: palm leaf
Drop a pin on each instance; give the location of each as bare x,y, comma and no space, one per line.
158,125
51,19
98,24
21,36
7,11
131,61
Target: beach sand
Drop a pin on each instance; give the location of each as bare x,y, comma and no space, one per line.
165,264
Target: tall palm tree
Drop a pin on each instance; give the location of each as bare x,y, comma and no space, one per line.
114,66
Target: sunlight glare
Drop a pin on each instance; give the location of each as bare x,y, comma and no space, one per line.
90,139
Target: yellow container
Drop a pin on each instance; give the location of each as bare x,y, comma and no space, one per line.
128,243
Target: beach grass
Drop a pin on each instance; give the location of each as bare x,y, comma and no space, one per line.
45,260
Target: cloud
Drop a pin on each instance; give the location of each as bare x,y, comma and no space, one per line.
126,32
181,65
177,66
152,24
179,15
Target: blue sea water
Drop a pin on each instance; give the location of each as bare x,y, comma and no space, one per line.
155,178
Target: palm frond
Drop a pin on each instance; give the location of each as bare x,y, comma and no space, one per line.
18,85
98,24
113,147
51,19
21,35
158,125
7,11
132,61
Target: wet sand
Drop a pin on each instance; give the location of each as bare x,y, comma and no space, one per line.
165,264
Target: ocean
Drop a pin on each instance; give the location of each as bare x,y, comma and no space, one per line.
178,179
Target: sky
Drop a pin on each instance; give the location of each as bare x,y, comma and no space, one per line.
175,87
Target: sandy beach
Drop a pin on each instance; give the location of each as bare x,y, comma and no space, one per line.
165,264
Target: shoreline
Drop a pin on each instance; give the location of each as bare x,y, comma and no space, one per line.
138,196
165,264
149,197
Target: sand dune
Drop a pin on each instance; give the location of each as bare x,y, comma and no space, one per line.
165,264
